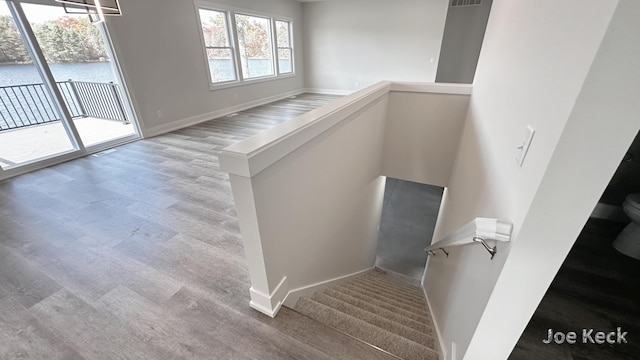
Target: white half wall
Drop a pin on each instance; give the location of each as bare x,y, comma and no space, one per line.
161,56
352,44
309,196
541,65
309,193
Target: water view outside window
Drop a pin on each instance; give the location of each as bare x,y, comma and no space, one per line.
32,124
283,36
254,45
217,43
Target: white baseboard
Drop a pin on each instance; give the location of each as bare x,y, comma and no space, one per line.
442,349
179,124
328,91
269,304
307,291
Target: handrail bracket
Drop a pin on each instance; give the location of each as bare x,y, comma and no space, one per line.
432,252
492,250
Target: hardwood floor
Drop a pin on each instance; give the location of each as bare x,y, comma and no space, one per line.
596,288
136,254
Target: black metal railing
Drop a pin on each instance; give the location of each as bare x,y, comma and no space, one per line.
30,104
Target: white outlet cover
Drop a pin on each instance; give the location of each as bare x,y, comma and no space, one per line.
523,148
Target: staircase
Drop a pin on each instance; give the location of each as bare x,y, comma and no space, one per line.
377,309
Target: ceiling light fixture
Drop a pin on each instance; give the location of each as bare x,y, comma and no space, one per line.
97,9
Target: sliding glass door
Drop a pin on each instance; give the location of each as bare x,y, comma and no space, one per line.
60,92
30,126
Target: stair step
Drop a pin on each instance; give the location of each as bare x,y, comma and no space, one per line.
420,310
387,291
393,284
420,324
386,340
373,319
384,304
379,276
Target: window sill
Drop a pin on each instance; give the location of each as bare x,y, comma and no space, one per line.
237,83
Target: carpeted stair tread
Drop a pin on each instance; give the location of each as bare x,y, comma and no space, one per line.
373,319
386,340
384,304
386,291
420,324
383,281
417,298
393,280
390,281
421,310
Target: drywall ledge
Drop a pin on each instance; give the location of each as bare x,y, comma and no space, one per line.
486,228
437,88
249,157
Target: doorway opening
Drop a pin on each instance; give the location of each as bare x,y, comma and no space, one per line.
61,92
409,215
597,285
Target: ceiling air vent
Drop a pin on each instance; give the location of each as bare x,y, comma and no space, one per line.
465,3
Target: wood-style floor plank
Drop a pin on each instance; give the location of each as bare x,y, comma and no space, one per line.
136,254
596,288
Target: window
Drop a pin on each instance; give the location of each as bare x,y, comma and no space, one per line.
241,46
215,32
255,46
283,36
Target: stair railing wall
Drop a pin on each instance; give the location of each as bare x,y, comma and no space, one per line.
309,192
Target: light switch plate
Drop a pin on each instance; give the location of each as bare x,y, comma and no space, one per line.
524,145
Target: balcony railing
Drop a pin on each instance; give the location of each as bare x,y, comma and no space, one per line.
30,104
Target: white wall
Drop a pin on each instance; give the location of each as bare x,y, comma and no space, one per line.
422,135
159,48
600,128
351,44
535,60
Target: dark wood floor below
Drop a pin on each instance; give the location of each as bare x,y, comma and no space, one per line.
136,254
596,288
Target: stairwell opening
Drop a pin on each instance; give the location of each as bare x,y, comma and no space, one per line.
409,215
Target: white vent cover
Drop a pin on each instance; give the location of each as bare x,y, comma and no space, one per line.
465,3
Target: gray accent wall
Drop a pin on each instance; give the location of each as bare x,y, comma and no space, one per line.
461,42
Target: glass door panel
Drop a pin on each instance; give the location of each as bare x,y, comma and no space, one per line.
79,61
30,124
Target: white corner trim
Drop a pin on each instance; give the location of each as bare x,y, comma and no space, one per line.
438,88
442,348
486,228
307,291
269,304
193,120
256,153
